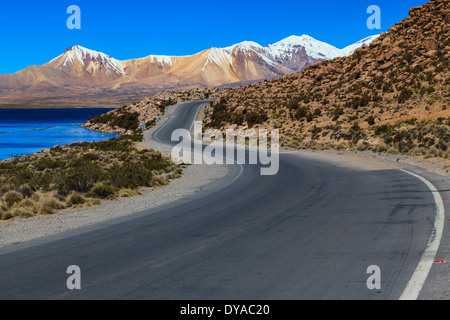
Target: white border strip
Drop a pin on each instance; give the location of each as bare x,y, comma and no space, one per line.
419,276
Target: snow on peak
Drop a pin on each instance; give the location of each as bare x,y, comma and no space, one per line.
245,46
218,56
161,59
313,48
351,48
82,55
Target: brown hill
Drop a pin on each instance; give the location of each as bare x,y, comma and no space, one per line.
393,95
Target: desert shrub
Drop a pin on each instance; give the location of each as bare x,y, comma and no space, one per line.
81,177
90,157
6,215
404,95
26,190
301,113
255,117
48,163
130,175
383,129
362,146
21,212
355,127
381,147
220,114
53,203
49,205
45,210
75,199
315,130
158,181
12,197
122,119
102,191
28,203
22,176
166,103
371,120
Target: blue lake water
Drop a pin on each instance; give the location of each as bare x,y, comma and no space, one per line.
27,131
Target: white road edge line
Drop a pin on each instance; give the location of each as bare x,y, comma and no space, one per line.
419,276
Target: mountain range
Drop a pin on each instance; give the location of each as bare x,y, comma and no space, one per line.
84,77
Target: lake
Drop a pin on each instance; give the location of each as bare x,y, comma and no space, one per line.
27,131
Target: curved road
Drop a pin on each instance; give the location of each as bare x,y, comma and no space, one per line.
309,232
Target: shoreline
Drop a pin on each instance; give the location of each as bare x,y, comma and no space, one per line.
33,127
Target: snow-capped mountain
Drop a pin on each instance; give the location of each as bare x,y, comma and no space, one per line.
85,63
98,72
315,49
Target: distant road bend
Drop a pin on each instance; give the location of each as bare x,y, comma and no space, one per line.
309,232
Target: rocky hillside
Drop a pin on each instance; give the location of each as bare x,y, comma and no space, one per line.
393,95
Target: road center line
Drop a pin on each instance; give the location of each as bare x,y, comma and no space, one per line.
419,276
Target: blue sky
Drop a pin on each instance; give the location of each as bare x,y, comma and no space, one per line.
34,32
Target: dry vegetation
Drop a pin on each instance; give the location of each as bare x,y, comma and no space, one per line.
80,174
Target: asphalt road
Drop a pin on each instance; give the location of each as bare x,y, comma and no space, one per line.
308,232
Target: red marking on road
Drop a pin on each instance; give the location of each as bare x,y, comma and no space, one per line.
437,186
439,261
445,199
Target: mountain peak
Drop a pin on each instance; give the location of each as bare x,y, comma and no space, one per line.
82,52
247,44
90,59
313,48
297,40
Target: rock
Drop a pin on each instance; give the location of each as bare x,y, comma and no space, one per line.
385,66
240,110
438,78
386,42
430,44
388,55
430,53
